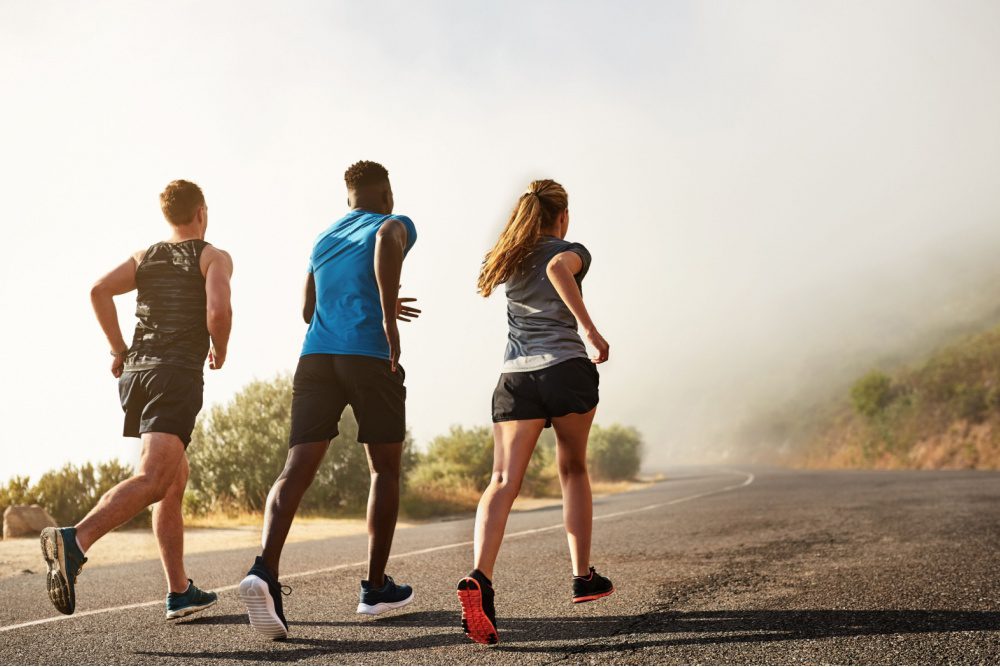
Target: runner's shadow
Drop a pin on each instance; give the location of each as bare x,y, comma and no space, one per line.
670,628
596,634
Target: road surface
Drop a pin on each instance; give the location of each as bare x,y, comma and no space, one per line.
711,566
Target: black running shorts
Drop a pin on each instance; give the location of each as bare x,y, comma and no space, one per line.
325,384
566,388
164,399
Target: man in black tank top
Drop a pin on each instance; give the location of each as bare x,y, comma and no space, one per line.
184,314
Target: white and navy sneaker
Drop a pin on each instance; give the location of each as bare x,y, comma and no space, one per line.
65,560
190,601
376,601
261,593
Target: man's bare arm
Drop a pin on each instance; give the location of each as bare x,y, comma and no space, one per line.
390,244
119,280
219,310
309,299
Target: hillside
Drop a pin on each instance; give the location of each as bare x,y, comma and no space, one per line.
938,412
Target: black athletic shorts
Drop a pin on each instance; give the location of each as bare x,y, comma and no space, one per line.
164,399
325,384
566,388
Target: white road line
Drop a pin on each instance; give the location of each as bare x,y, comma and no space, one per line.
534,531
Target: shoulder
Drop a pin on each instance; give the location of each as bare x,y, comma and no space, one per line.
397,226
580,250
402,226
573,255
212,255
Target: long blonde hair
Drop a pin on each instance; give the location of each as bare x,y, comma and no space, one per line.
536,209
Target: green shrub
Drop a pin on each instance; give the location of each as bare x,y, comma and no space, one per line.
971,402
239,448
614,452
17,491
70,492
872,394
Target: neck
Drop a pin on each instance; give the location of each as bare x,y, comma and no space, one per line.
187,233
362,206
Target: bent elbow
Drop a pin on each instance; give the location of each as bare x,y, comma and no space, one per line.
219,317
98,291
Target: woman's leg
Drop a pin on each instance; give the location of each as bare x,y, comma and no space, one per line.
513,444
572,432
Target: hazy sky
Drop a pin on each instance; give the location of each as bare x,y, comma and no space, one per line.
762,185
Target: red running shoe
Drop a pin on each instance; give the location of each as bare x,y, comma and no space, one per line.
479,618
591,587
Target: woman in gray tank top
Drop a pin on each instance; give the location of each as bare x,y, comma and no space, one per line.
547,379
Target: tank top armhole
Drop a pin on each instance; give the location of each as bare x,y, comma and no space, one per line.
145,254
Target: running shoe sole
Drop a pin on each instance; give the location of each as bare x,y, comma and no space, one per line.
382,607
260,608
61,593
187,611
475,622
595,596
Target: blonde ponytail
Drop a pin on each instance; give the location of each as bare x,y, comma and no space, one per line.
536,210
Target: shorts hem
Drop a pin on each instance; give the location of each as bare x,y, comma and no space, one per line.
185,438
380,441
306,440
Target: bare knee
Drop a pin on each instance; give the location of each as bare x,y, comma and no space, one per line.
303,461
154,485
385,476
573,468
506,484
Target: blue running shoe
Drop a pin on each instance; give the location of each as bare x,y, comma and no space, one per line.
190,601
65,560
261,593
376,601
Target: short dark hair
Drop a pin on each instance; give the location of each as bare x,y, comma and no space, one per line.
364,173
180,200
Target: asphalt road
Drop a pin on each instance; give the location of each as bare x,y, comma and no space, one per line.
711,566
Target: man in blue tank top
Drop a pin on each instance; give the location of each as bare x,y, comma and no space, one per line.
184,313
350,357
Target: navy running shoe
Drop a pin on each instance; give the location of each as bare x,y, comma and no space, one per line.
261,593
190,601
591,587
374,601
64,558
479,616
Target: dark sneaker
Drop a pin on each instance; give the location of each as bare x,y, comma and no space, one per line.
376,601
479,617
261,593
192,600
65,560
591,587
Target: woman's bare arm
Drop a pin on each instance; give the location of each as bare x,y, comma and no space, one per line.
561,271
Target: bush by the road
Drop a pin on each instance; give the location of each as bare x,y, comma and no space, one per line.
238,448
456,468
872,394
68,493
614,452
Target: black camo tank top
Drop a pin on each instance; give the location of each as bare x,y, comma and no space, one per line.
170,307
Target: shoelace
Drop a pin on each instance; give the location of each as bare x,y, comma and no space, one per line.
283,591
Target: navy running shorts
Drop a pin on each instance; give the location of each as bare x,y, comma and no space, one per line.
325,384
164,399
569,387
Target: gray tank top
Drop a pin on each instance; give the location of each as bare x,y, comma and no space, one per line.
172,329
542,329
